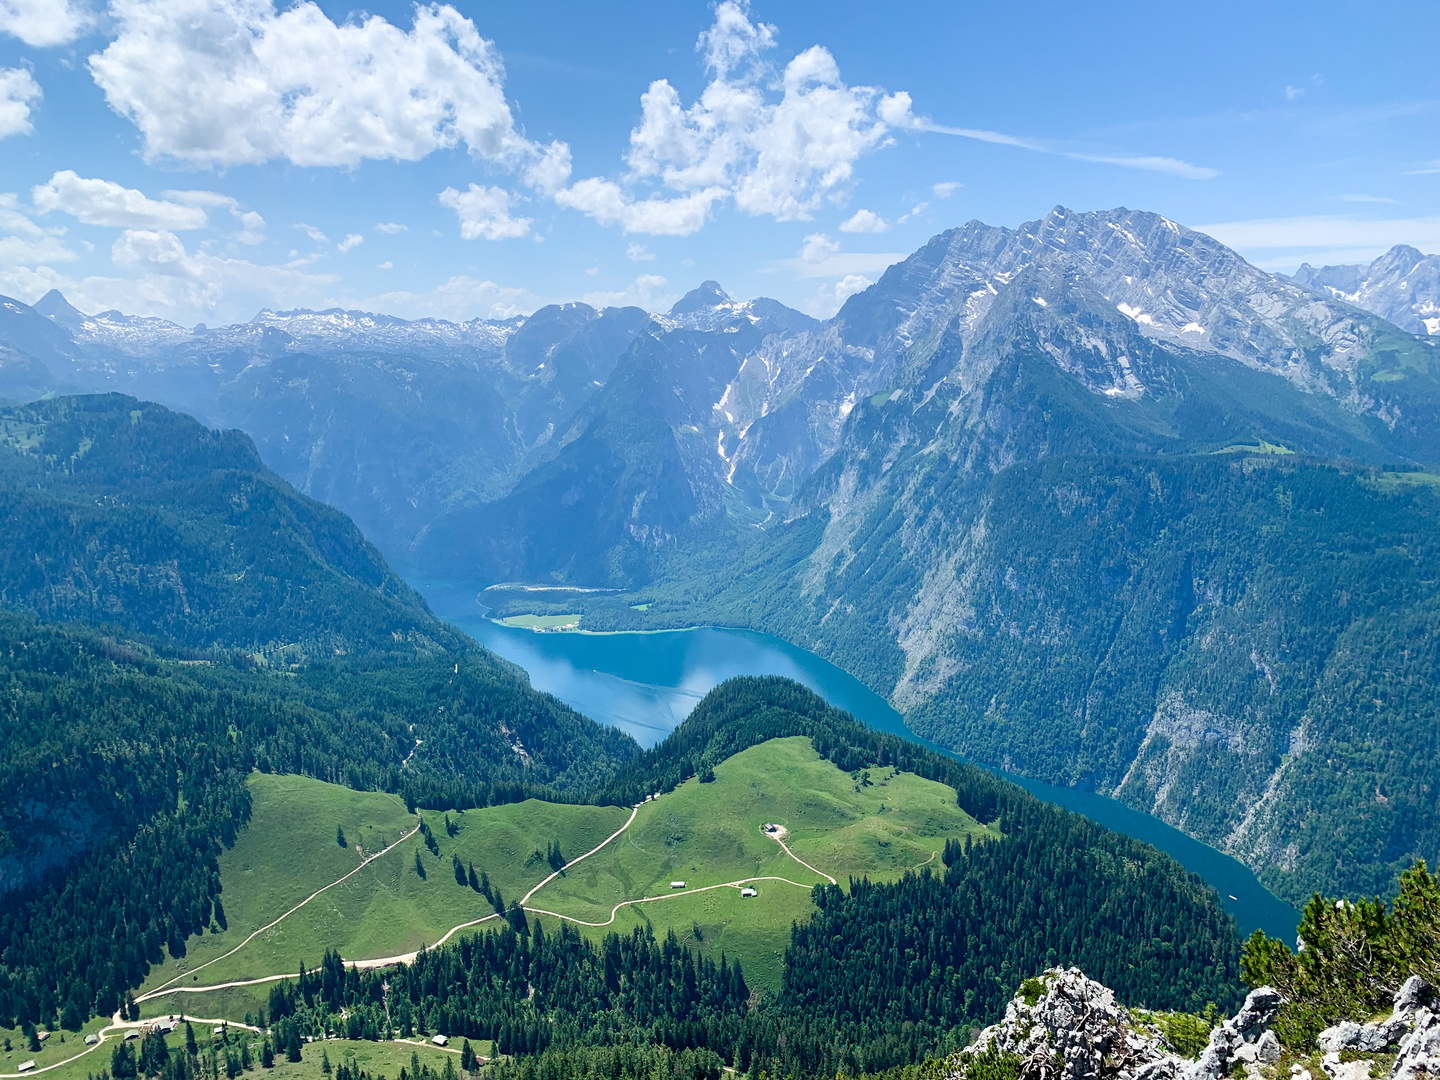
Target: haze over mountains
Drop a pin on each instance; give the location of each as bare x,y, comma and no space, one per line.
1092,498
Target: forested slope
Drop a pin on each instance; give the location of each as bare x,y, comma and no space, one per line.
878,976
124,512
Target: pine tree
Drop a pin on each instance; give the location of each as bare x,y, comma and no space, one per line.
191,1046
325,1061
292,1048
468,1061
460,878
340,836
474,881
267,1056
419,866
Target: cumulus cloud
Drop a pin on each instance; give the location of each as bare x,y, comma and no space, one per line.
43,23
350,243
946,188
864,221
638,253
460,298
648,291
229,82
23,242
775,143
828,299
485,212
19,92
609,204
391,228
821,257
104,202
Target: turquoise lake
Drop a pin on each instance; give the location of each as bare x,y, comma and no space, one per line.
647,683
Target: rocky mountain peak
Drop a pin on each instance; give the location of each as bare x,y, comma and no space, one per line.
1402,285
709,294
57,309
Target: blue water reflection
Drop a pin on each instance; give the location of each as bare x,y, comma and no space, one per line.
647,683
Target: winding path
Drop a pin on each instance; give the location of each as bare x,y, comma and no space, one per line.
168,987
779,838
670,896
366,862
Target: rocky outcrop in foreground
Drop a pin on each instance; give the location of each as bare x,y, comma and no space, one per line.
1064,1026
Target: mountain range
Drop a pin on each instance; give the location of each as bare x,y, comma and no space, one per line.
1092,498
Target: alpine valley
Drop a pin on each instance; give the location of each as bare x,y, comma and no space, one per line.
1092,499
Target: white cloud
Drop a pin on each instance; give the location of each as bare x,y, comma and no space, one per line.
897,111
460,298
946,188
391,227
386,265
104,202
350,243
312,232
252,224
157,276
818,247
829,298
485,211
608,204
638,253
1366,199
1293,92
19,92
1424,168
647,291
228,82
864,221
777,144
23,242
43,23
820,257
914,211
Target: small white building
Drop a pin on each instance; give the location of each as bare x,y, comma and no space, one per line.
677,884
133,1033
42,1035
748,892
439,1040
91,1039
25,1066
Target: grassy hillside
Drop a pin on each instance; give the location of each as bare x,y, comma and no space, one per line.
877,823
377,1058
290,850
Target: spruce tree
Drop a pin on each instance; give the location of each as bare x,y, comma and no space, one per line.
419,866
340,836
325,1061
460,878
267,1056
474,881
292,1048
191,1046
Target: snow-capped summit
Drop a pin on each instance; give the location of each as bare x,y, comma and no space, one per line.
1403,285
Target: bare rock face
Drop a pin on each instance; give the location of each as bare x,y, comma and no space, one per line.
1241,1038
1075,1030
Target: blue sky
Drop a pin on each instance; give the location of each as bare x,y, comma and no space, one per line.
200,159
